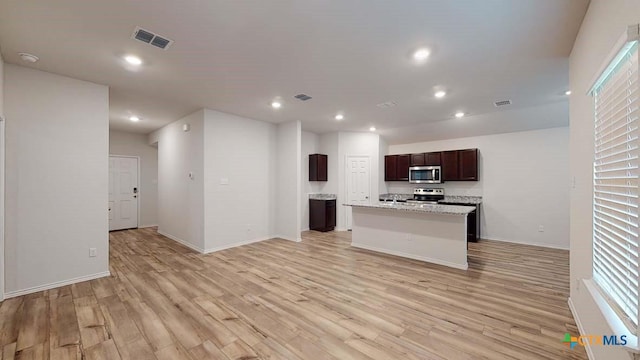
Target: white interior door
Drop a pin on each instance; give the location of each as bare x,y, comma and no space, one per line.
358,183
123,192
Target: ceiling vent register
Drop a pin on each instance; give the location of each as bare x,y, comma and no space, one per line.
150,38
502,103
302,97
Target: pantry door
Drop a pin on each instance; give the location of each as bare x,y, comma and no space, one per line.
358,183
123,192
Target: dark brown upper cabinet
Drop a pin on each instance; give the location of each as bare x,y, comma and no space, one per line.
460,165
402,168
396,167
390,163
457,165
450,168
432,158
318,167
468,164
417,159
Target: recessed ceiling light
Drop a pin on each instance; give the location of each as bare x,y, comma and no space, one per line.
276,105
133,60
421,54
568,92
134,118
459,114
339,117
30,58
373,128
440,94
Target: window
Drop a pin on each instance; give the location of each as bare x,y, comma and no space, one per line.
616,180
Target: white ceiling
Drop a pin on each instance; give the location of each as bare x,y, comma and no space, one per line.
237,56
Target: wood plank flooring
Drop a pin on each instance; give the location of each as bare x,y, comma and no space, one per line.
319,299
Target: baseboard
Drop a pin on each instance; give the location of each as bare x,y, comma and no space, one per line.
146,226
298,239
411,256
581,329
35,289
236,244
183,242
528,243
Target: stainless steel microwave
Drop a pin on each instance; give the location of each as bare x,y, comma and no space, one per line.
425,175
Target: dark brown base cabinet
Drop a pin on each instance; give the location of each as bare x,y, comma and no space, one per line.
322,215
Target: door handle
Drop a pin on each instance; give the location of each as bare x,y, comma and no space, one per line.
366,197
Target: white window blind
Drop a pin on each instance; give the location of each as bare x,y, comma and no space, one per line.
615,184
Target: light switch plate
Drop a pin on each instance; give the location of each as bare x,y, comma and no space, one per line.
224,181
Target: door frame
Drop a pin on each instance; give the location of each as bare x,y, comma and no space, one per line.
346,185
2,199
139,192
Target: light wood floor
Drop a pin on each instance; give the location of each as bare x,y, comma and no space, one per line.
319,299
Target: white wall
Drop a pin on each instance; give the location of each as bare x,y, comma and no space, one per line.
605,22
310,145
57,179
2,173
288,213
180,198
524,182
356,143
328,145
242,153
129,144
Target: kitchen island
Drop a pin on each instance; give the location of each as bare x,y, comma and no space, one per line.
428,232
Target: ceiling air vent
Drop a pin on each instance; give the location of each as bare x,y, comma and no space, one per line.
302,97
502,103
148,37
386,105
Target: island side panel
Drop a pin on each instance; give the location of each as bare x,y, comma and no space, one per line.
435,238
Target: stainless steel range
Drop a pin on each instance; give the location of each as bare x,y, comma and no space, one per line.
427,196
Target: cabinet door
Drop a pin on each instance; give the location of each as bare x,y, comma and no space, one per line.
432,159
330,214
450,171
402,167
317,167
468,163
322,167
317,214
417,159
390,163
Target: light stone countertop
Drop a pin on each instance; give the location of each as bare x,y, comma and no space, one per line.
322,196
473,200
424,208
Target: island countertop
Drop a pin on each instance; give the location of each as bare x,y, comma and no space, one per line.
425,208
460,199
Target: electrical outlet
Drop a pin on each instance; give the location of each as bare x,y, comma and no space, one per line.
541,228
93,252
